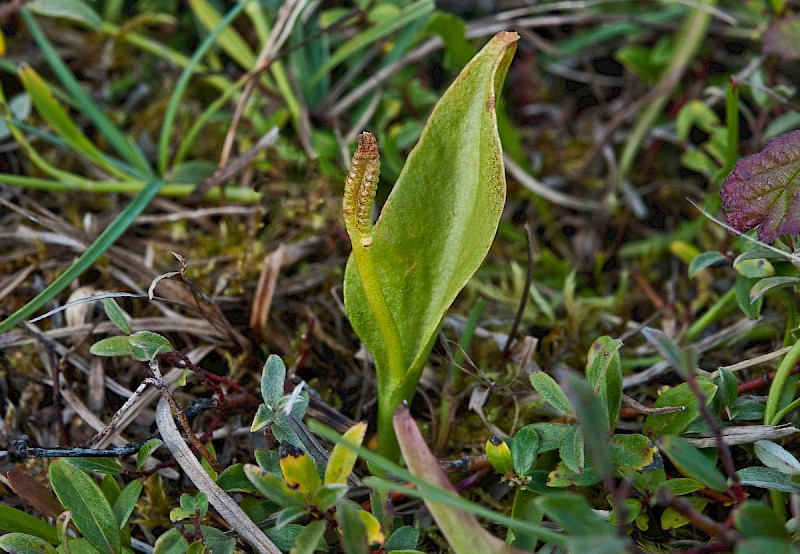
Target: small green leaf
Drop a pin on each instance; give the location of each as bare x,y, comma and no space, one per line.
288,515
272,380
116,315
691,462
233,479
108,466
766,478
112,346
705,260
573,513
146,450
571,451
273,487
728,387
268,460
149,344
633,507
403,538
341,462
604,375
633,451
285,537
777,457
91,512
743,287
547,387
310,538
17,521
20,543
676,423
681,486
328,495
264,416
550,435
126,502
672,519
524,449
755,519
562,476
754,269
762,286
171,542
75,10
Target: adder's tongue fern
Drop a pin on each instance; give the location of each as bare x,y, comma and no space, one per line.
359,190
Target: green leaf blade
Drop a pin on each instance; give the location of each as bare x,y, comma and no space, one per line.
453,185
91,512
692,463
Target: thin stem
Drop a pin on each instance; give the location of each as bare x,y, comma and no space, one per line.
722,446
779,384
711,315
772,416
446,409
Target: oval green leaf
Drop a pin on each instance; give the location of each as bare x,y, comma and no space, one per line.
549,389
705,260
112,346
604,374
147,345
676,423
438,223
116,315
692,463
763,285
20,543
91,512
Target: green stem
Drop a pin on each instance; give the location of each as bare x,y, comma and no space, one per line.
779,384
380,309
715,312
772,416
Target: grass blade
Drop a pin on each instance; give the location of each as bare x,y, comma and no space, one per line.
183,82
121,144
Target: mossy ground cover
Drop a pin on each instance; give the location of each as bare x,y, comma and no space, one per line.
621,367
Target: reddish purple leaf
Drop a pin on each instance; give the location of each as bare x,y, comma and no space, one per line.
764,189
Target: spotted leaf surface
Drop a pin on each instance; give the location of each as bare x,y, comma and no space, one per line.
764,190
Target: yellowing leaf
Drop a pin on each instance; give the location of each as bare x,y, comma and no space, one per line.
372,527
342,460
